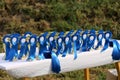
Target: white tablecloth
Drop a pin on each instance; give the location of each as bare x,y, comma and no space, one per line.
34,68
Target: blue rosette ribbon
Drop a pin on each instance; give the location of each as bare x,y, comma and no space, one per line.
100,37
27,35
67,45
107,37
6,41
60,43
78,41
52,41
43,43
75,39
84,41
32,42
14,48
51,44
22,47
91,41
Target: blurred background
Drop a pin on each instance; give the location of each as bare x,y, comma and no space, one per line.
37,16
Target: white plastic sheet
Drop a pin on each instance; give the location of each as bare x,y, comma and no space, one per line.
22,68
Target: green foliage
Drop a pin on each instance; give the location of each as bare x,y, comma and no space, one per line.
62,26
67,15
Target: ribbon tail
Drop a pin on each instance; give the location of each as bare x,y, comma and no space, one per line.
64,52
7,51
75,51
70,48
116,50
22,51
78,45
26,49
11,54
55,63
41,55
32,52
84,47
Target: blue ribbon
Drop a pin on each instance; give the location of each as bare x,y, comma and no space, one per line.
85,39
68,46
14,49
7,46
107,37
100,37
91,41
75,37
22,47
68,43
55,63
27,35
59,45
78,41
43,44
52,41
26,48
116,50
32,41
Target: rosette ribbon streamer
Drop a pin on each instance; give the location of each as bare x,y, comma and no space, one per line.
60,43
14,48
67,44
74,38
27,35
55,63
84,41
52,41
78,41
51,44
68,41
43,43
100,37
32,41
7,46
91,41
107,37
22,47
116,50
